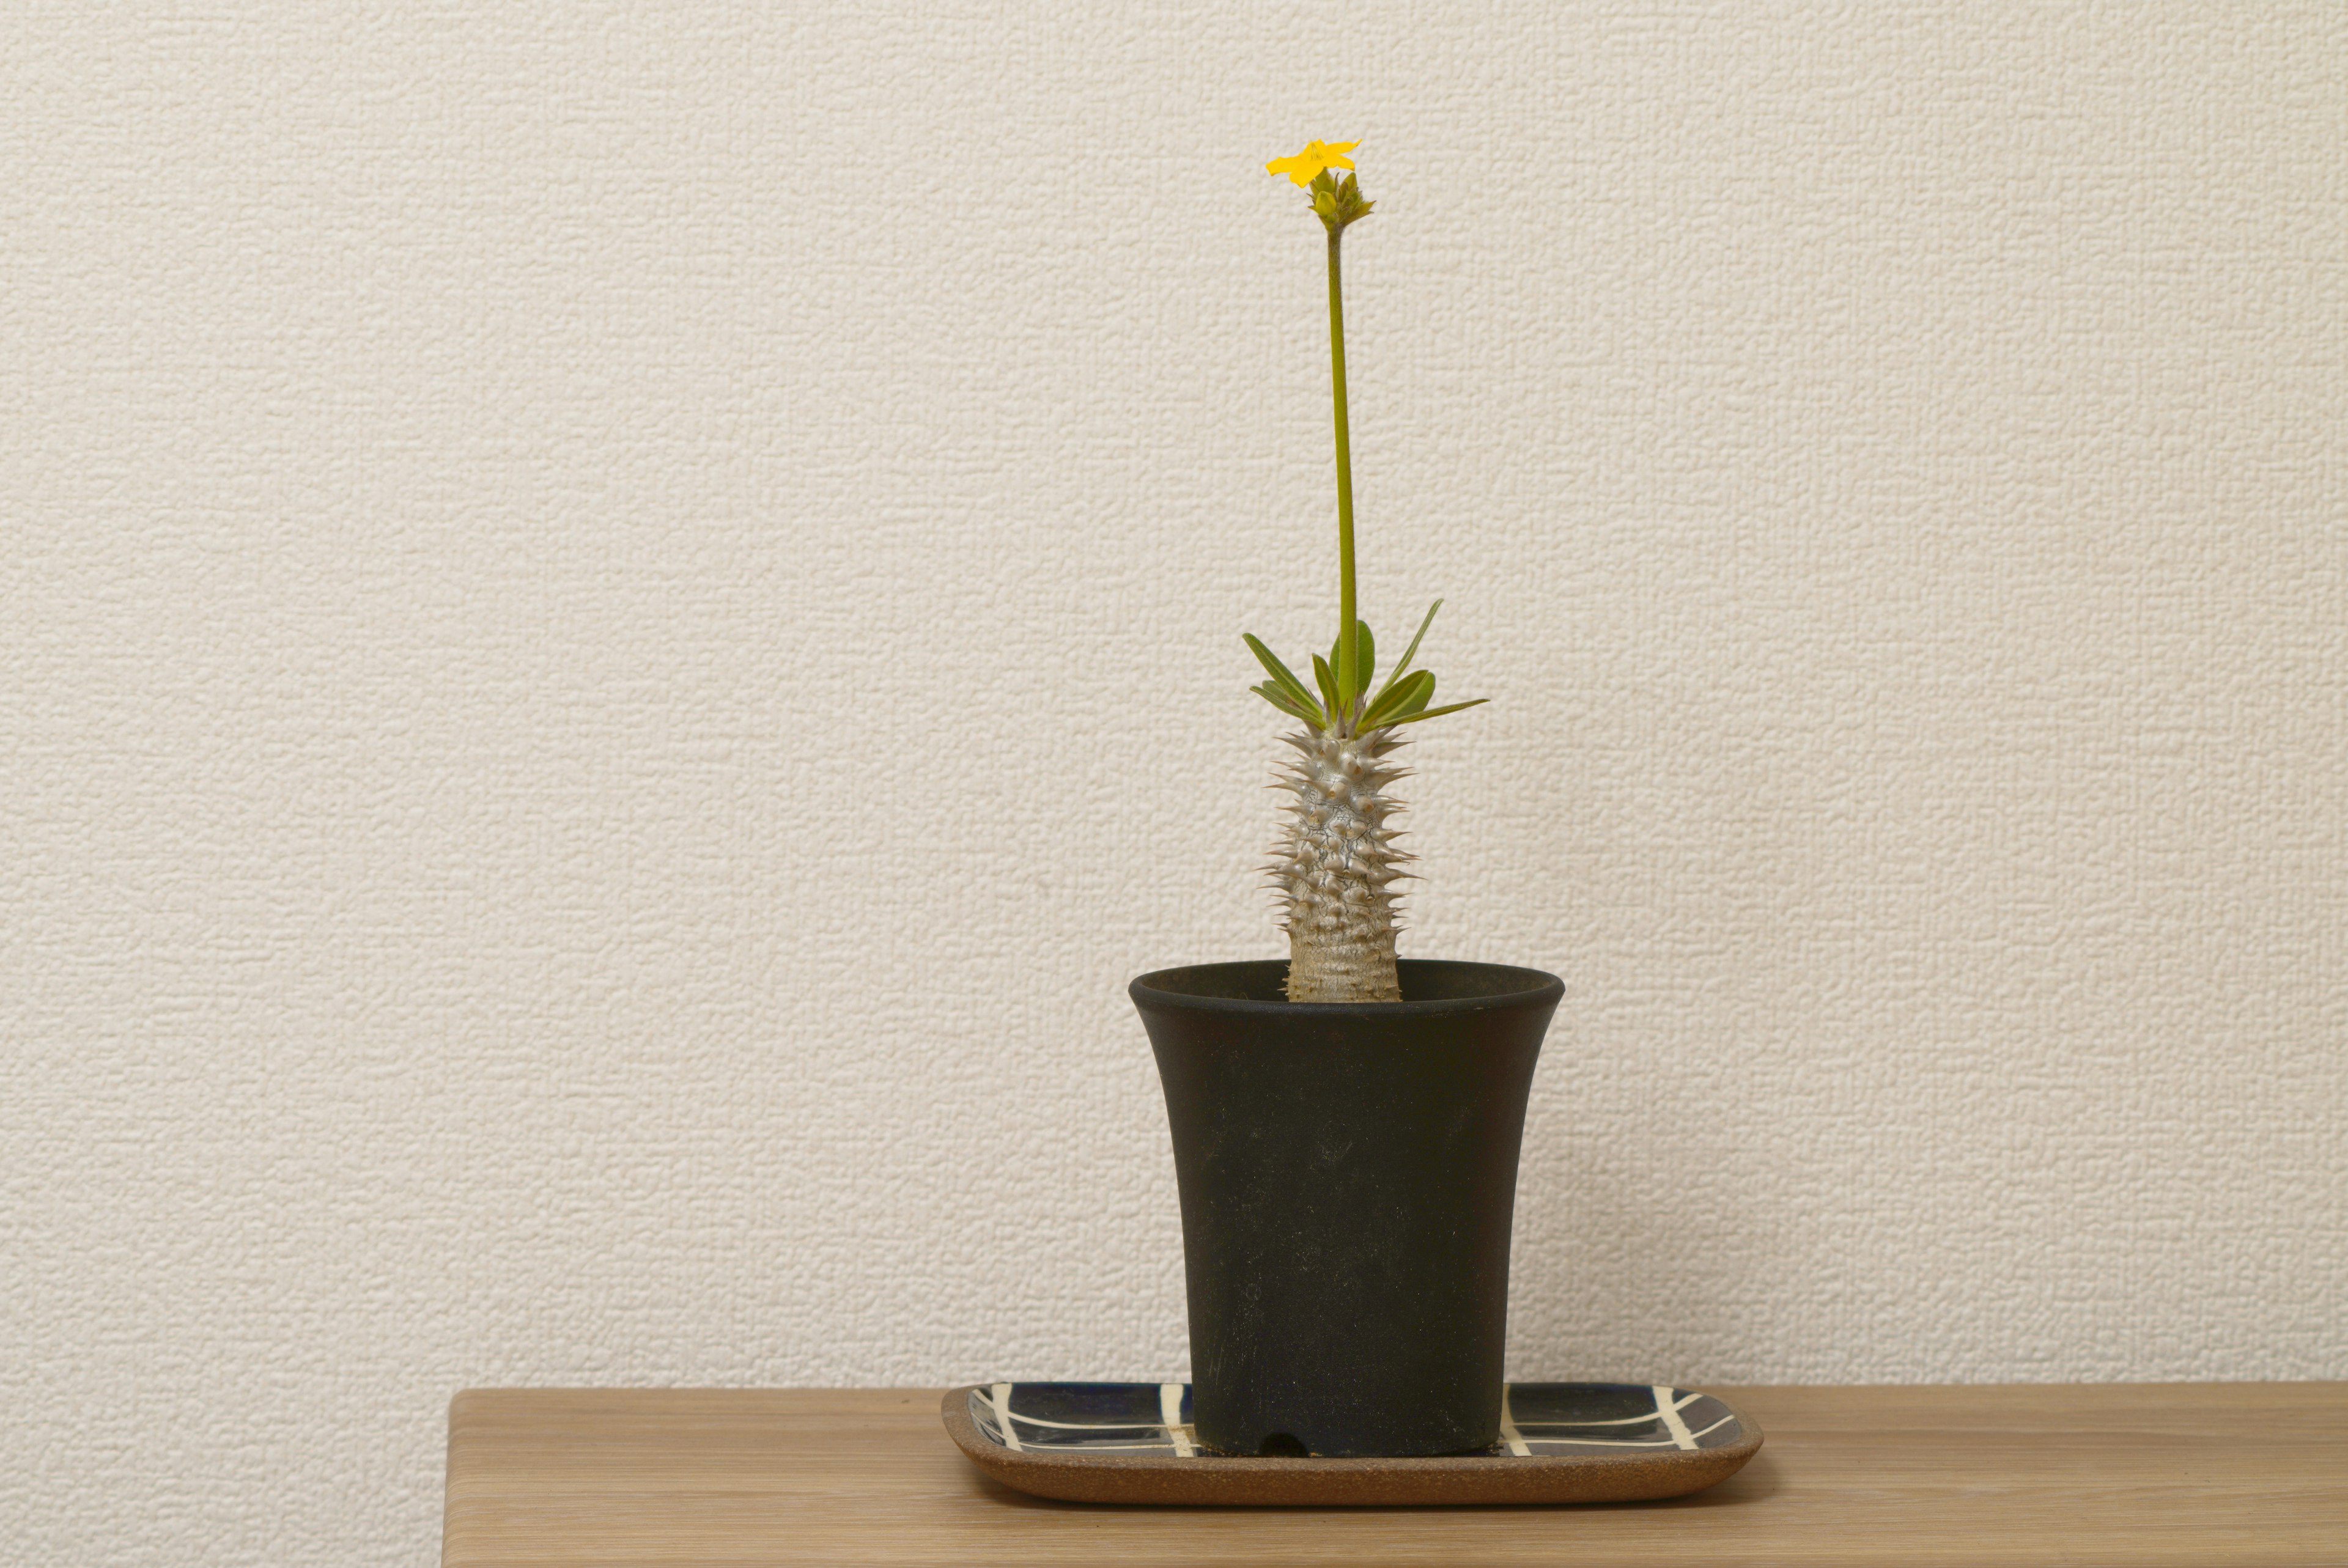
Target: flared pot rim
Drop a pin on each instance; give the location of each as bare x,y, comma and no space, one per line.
1488,986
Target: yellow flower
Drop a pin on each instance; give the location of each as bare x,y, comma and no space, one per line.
1316,156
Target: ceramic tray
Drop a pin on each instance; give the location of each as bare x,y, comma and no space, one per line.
1559,1442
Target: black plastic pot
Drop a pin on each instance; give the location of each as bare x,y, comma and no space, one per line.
1349,1176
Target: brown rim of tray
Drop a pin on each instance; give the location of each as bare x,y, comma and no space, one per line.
1177,1473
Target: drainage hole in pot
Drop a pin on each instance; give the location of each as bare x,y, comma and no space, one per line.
1279,1445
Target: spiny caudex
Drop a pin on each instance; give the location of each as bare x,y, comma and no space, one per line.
1333,868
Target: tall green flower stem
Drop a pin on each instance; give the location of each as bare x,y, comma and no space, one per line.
1349,681
1334,864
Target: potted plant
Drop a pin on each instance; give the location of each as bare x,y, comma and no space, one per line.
1345,1124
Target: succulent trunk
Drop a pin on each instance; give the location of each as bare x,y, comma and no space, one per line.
1334,865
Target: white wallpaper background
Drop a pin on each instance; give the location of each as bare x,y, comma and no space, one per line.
621,625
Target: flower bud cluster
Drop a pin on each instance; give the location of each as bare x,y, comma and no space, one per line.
1338,202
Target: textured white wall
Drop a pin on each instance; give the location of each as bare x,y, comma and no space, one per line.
620,628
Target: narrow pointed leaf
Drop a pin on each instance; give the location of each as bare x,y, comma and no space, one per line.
1279,672
1328,679
1407,653
1288,705
1438,712
1281,699
1398,699
1413,693
1364,650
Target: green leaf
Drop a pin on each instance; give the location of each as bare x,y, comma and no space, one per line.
1365,652
1279,672
1328,679
1308,712
1412,649
1407,696
1438,712
1288,705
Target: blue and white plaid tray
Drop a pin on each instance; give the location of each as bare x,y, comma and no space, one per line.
1559,1442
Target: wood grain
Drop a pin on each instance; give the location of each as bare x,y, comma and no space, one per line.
2242,1475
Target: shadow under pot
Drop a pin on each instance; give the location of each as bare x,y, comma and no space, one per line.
1348,1173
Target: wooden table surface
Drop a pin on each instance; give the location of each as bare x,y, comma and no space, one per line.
2207,1475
